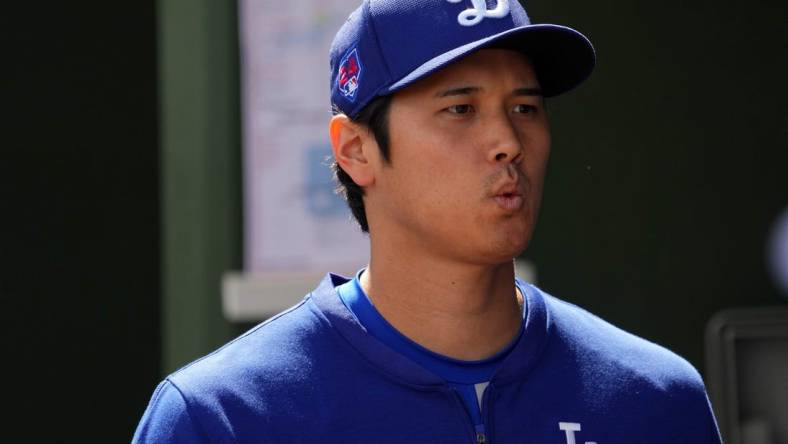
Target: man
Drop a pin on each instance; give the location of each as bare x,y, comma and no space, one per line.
441,142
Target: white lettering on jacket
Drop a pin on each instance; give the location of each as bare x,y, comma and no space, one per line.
570,428
474,15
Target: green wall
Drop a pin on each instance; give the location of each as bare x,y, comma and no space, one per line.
200,172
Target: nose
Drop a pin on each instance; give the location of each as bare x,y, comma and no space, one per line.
506,146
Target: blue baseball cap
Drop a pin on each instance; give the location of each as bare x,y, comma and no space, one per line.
386,45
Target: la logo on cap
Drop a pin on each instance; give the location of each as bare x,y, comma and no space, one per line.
474,15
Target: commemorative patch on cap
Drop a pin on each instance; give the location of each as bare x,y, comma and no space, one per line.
349,75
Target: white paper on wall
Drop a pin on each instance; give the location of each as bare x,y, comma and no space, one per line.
295,225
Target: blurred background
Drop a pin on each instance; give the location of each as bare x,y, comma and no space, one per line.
122,202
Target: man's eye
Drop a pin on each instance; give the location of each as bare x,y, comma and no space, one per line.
523,108
460,109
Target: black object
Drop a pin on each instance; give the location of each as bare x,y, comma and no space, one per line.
747,374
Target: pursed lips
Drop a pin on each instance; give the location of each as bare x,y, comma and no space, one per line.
509,196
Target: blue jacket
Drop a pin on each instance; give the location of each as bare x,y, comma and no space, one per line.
313,375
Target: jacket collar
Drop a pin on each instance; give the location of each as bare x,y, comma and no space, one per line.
523,357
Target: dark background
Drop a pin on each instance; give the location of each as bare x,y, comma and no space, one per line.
667,171
79,219
669,166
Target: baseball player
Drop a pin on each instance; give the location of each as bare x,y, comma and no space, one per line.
441,141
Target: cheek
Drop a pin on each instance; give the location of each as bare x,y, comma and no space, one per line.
432,183
451,172
435,188
430,156
536,154
535,171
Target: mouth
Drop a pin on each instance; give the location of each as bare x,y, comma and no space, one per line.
509,200
509,195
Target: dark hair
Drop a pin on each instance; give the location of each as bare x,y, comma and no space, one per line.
374,116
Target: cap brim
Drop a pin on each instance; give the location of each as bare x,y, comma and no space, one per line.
562,57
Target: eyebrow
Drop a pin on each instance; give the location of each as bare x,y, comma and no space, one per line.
464,91
468,90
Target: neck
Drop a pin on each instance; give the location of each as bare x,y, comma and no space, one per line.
464,311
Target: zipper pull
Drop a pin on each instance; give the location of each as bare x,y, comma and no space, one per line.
481,438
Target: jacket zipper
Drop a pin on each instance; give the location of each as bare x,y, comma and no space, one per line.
485,414
479,430
481,437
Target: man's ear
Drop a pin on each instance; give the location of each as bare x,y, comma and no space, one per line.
352,144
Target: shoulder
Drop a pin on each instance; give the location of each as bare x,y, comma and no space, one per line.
279,349
611,353
167,419
255,378
605,370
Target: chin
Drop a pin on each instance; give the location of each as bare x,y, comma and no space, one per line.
503,248
513,249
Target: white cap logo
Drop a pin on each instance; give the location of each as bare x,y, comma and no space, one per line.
474,15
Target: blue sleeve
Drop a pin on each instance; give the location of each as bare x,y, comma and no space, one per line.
695,418
714,429
167,419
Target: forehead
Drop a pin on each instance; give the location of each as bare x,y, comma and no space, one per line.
485,68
